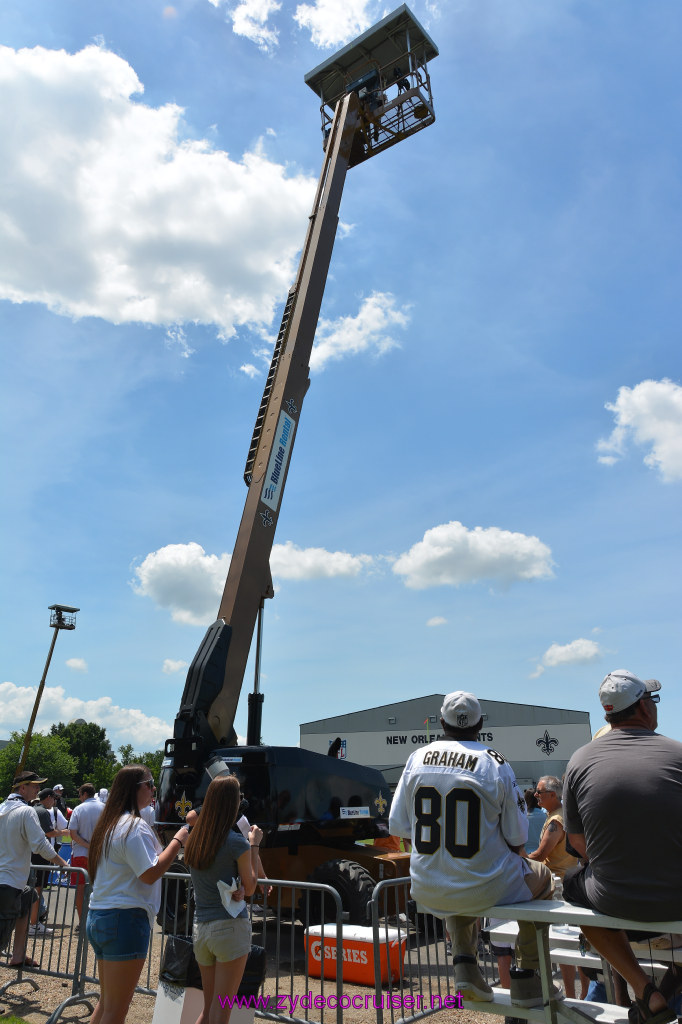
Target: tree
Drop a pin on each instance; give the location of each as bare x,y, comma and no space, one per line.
127,756
89,746
47,755
103,772
150,758
153,760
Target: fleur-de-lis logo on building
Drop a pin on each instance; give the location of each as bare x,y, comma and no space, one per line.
183,806
547,743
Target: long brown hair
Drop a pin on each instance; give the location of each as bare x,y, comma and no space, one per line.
122,800
218,815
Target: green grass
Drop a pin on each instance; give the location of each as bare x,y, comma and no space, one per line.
12,1019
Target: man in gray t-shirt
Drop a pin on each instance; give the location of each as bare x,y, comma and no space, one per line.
623,814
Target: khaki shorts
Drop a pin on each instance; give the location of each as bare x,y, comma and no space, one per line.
221,940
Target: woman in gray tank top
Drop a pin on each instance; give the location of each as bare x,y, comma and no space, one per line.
215,852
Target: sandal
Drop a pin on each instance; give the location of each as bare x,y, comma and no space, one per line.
26,962
671,982
664,1016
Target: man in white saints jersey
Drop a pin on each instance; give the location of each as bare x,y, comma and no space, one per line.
458,803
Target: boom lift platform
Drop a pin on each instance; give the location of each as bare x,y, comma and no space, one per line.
313,809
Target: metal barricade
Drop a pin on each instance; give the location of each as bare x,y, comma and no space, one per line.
280,923
421,981
60,945
281,920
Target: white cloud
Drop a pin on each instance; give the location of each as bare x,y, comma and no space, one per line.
170,666
250,370
451,554
176,338
249,19
650,414
105,210
331,22
123,725
184,579
575,653
77,664
366,332
437,620
289,562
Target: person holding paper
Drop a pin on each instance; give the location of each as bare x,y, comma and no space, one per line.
125,862
216,853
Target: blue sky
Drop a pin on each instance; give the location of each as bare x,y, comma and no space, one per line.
485,489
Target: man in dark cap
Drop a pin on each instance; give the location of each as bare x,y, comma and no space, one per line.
623,814
45,811
20,835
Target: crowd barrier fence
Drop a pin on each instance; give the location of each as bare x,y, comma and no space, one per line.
279,923
311,976
61,951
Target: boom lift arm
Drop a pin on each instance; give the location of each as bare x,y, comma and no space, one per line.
374,92
214,681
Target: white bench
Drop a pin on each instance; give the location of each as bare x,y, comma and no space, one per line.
564,948
543,914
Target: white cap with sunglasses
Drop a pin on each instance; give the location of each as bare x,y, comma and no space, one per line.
621,689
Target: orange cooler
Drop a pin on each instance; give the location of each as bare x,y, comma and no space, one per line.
358,953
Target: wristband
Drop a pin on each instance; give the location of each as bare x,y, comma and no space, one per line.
176,840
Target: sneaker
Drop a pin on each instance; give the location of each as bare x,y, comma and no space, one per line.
526,988
40,929
471,984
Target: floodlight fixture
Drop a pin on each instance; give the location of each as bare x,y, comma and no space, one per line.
62,616
386,68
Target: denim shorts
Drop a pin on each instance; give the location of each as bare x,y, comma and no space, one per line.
119,934
222,940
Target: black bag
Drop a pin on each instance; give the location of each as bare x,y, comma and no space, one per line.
179,965
254,972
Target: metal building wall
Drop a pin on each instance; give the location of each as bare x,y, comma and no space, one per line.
535,740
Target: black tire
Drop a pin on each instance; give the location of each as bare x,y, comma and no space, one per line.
354,885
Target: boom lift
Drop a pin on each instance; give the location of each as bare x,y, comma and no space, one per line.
313,809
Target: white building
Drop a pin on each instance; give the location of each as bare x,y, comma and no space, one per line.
535,740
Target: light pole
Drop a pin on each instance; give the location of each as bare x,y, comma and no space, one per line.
62,617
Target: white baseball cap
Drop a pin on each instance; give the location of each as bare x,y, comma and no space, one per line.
461,710
58,786
621,689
